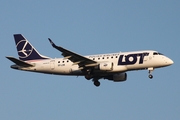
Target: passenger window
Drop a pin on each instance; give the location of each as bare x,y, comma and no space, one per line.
58,61
93,58
107,57
112,57
98,58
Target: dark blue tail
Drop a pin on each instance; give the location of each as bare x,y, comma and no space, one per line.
25,50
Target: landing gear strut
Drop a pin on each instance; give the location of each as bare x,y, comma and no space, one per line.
88,75
150,72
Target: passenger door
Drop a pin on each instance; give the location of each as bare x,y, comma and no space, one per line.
52,64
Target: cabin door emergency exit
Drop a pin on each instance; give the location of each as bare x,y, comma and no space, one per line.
52,64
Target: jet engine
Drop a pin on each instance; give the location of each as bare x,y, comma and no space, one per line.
106,66
118,77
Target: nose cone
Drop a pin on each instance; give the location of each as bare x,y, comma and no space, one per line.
169,61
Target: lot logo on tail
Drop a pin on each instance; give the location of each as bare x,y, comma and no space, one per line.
24,49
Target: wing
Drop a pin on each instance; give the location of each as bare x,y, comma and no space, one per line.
74,57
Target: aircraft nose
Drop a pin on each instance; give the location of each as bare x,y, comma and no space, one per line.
169,61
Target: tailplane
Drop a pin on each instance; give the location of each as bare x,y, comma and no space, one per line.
25,50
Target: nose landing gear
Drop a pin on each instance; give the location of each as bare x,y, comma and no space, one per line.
150,72
150,76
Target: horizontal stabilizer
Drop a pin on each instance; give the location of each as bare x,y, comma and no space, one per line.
19,62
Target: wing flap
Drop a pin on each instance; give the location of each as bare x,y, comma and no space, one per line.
19,62
74,57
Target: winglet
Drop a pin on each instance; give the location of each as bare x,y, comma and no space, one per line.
52,43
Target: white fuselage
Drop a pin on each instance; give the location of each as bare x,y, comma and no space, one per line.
111,66
122,62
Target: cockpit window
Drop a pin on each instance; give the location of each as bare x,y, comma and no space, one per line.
160,54
156,53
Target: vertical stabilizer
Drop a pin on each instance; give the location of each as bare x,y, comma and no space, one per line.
25,50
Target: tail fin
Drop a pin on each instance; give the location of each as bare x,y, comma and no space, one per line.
25,50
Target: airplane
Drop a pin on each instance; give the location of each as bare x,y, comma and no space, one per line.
112,66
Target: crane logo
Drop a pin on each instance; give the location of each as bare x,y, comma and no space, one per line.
24,49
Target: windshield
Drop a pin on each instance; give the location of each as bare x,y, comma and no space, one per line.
156,53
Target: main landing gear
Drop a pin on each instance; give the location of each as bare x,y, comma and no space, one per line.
89,76
96,82
150,72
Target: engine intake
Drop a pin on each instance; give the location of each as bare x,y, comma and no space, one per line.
107,66
118,77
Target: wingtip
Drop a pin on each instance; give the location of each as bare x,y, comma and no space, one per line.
52,43
49,40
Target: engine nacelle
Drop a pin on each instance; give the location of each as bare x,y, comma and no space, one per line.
118,77
106,66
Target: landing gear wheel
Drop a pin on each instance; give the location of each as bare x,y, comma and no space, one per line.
150,76
88,76
97,83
